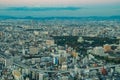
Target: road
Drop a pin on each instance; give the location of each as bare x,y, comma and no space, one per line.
32,69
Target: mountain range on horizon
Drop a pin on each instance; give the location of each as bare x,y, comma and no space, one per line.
63,17
68,11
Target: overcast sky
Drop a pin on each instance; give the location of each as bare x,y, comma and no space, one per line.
55,2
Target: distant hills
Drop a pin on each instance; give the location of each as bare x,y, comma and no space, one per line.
41,8
90,17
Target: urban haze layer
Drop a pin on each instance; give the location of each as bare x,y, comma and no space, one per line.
60,48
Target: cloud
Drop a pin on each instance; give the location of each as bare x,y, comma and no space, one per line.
55,2
41,8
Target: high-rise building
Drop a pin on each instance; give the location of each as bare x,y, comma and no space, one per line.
107,48
99,50
33,50
50,42
17,75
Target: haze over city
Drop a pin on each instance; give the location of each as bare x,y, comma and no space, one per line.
59,8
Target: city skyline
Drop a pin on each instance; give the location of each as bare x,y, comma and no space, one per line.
59,39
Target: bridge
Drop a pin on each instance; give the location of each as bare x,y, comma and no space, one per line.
3,55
